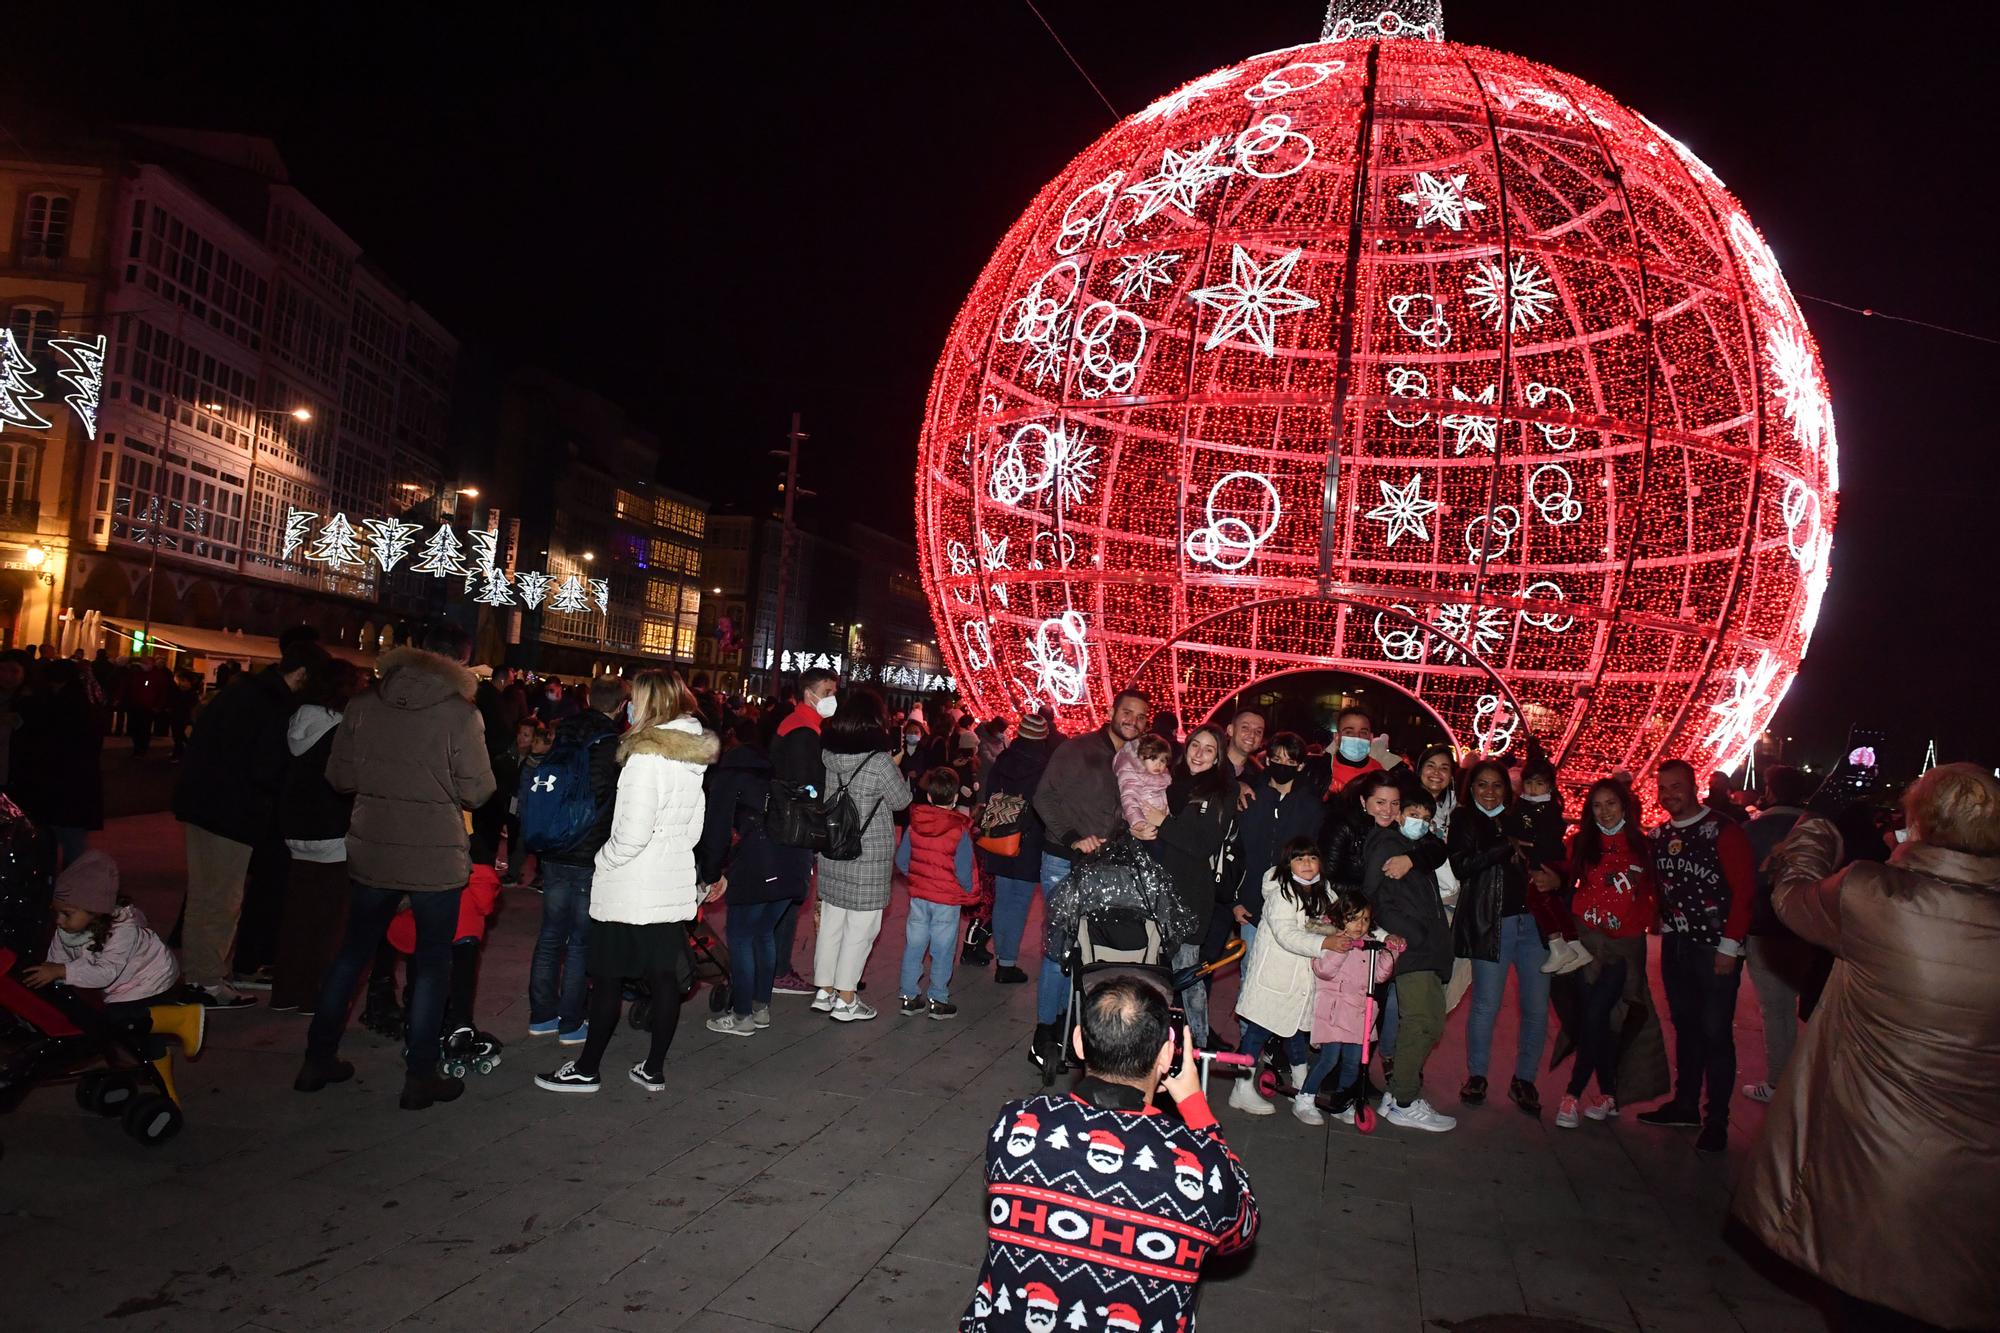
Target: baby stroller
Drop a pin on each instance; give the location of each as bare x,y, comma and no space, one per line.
707,962
1115,911
62,1031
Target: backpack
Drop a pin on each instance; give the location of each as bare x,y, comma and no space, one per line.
1227,865
558,808
844,825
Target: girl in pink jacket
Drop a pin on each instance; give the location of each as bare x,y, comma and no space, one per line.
1341,1015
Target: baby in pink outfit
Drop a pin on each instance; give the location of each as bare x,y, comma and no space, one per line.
1143,779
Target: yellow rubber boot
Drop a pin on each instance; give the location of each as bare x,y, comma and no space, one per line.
185,1023
164,1067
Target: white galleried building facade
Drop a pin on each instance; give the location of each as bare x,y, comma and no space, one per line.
255,363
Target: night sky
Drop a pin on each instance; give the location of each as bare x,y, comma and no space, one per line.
718,213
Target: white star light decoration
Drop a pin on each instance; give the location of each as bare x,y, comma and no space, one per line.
1182,178
1139,276
1469,429
1442,200
1252,300
1526,300
1750,696
1480,629
1404,510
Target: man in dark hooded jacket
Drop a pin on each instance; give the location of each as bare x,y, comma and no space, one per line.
556,982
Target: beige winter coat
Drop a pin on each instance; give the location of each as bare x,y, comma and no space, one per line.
1277,991
413,752
1879,1166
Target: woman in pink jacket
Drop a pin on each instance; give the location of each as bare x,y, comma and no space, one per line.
1340,1019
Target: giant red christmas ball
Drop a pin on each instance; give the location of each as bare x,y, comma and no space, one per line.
1406,358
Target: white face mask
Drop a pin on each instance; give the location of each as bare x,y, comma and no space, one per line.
1305,880
75,939
910,743
826,705
1608,829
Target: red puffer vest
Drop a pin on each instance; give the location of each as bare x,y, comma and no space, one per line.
935,832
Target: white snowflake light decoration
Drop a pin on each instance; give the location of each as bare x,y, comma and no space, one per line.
1798,388
1252,300
600,592
298,522
1404,510
1738,715
1059,658
1480,629
1441,199
1527,297
84,375
1177,101
1181,179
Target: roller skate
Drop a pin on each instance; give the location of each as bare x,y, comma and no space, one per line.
470,1049
381,1013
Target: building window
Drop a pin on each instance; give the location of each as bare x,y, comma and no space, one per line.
17,475
33,326
45,230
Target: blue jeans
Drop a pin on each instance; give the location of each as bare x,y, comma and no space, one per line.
1297,1050
556,977
1010,917
933,928
1392,1021
1052,987
1521,948
753,952
368,919
1344,1055
795,872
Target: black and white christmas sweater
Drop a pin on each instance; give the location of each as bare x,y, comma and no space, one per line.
1100,1213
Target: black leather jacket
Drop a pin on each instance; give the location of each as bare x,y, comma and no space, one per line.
1489,876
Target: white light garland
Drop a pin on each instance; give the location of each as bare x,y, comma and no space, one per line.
1294,78
1266,139
1407,382
15,391
1060,658
297,523
1229,542
1433,330
84,375
1556,505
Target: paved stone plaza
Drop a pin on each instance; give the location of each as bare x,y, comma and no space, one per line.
816,1176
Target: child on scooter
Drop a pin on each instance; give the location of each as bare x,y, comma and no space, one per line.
1341,1014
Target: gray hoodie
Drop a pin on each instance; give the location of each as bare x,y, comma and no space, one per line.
309,723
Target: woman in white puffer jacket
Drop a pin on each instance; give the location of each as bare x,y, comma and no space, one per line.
644,891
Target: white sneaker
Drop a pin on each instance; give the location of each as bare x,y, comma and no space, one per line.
1558,959
733,1025
1759,1092
761,1015
1305,1112
855,1010
1243,1096
1419,1114
823,1001
1345,1115
1578,957
1601,1108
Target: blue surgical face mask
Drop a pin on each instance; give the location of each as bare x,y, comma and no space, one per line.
1353,749
1608,829
1415,827
1490,811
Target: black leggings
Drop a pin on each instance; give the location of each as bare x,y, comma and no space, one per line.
1597,1043
607,997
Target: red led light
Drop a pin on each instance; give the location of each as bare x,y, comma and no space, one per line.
1405,358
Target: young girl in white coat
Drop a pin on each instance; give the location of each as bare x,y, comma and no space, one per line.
643,891
1276,998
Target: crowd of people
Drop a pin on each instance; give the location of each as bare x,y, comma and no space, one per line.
1371,891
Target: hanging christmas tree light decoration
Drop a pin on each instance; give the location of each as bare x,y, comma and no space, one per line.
1414,360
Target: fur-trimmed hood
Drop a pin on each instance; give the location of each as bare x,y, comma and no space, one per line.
682,739
413,678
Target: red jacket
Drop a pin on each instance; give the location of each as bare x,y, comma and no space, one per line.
475,904
939,849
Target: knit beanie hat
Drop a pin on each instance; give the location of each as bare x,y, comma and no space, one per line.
1034,727
90,882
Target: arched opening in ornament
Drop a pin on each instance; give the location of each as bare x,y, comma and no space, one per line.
1309,700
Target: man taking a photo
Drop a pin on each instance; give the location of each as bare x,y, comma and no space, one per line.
1101,1210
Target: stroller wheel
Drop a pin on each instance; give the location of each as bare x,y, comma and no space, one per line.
106,1092
718,997
1364,1117
153,1119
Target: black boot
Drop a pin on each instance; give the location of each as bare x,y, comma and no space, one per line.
1038,1049
421,1091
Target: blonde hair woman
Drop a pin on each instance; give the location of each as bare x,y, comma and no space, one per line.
643,891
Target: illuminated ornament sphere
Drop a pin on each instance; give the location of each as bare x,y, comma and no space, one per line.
1398,357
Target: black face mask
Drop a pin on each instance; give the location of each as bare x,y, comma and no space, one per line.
1282,773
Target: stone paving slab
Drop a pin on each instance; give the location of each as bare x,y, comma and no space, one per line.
815,1176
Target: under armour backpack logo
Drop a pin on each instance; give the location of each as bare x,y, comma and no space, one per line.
543,782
